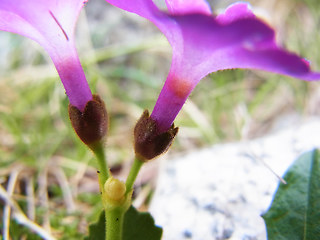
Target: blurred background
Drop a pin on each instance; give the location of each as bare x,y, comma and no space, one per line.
52,175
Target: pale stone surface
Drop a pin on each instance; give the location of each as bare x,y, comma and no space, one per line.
220,192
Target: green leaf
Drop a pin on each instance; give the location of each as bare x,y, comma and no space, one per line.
97,230
295,210
137,226
140,226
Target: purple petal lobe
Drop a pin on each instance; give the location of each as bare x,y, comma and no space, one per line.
235,12
177,7
148,10
272,60
51,23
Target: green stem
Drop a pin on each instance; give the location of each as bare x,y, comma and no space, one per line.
135,168
114,223
104,173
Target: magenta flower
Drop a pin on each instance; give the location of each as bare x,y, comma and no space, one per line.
51,23
202,43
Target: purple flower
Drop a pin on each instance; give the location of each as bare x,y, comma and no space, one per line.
51,23
202,43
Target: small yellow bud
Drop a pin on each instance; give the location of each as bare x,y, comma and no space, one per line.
114,189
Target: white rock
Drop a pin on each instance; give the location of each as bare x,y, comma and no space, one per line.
220,192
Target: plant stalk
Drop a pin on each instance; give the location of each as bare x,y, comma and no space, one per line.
104,172
135,168
114,223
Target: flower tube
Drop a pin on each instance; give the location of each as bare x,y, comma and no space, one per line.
51,23
203,43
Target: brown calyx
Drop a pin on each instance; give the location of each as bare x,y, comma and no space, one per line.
148,141
91,124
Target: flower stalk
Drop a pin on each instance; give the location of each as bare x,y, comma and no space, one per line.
134,171
103,172
114,223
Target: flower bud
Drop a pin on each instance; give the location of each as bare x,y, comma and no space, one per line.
91,124
115,189
149,142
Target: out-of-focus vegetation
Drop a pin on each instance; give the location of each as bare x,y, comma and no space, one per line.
52,174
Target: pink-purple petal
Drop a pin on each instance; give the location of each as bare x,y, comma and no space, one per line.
170,101
180,7
245,43
51,23
38,14
148,10
274,60
235,12
8,21
196,45
202,44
